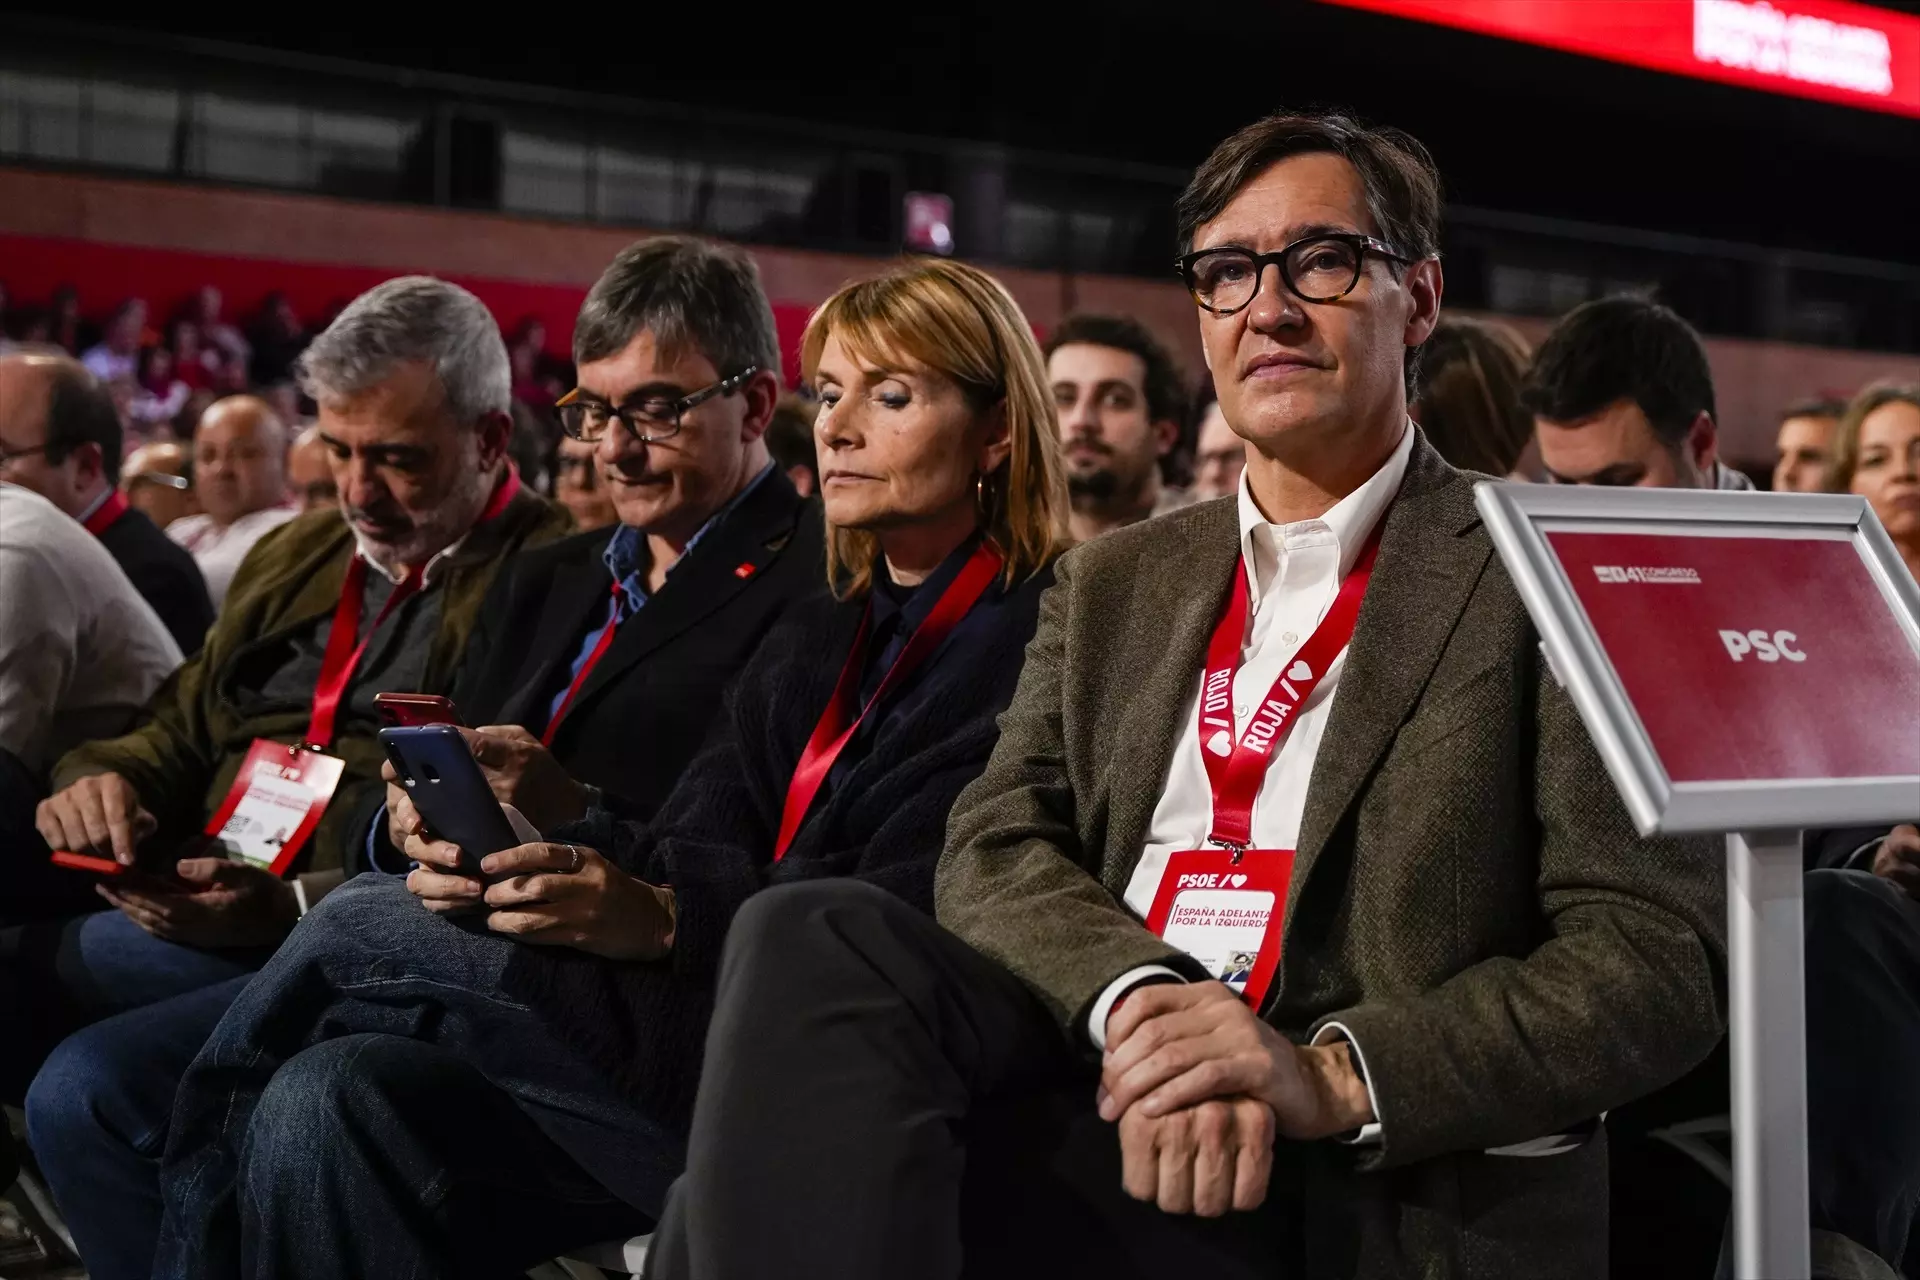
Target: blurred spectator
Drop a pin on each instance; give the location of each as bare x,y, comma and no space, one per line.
284,399
157,479
1469,403
1621,394
1121,402
1219,456
198,402
161,393
59,437
530,446
240,477
7,318
89,652
577,485
278,339
215,332
527,354
66,327
116,356
194,363
1876,454
1805,445
309,475
790,441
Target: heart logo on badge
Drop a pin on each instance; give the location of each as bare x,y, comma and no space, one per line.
1299,671
1236,881
1220,744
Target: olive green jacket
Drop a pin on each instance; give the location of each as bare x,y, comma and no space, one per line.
195,730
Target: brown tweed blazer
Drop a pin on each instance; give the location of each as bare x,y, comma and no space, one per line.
1469,897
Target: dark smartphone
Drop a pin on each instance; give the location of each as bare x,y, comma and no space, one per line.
412,710
447,787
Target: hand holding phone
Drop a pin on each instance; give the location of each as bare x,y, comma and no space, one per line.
440,776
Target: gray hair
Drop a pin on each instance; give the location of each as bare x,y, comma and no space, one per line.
688,293
408,319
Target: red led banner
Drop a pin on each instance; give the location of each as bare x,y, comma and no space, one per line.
1853,54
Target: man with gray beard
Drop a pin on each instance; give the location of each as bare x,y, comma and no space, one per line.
276,714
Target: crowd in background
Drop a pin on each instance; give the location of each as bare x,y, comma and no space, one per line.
188,1040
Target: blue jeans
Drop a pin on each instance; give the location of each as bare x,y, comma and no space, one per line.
97,1118
63,975
374,1104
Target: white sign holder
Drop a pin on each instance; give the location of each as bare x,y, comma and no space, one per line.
1763,822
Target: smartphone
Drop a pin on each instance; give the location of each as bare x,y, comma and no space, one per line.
412,710
446,785
87,862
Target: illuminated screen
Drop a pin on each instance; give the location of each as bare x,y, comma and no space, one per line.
1852,54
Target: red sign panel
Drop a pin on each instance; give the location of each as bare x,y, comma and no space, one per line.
1797,673
1853,54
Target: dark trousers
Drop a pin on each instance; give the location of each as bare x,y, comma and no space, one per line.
31,886
374,1104
61,975
879,1100
1863,1060
97,1118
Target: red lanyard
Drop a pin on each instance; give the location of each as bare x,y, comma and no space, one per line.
345,649
343,654
106,513
1236,766
600,648
837,725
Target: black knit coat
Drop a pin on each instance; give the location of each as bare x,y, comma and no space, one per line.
884,820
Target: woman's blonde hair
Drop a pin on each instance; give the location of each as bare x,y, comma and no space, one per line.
958,321
1846,438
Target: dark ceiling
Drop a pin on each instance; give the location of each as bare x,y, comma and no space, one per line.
1514,128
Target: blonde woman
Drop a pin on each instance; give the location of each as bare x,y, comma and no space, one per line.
527,1047
1876,454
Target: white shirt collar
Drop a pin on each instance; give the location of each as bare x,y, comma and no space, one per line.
1350,521
365,551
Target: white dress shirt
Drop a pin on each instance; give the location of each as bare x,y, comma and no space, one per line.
1294,573
80,651
217,550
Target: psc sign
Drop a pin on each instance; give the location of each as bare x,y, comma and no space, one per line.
1765,647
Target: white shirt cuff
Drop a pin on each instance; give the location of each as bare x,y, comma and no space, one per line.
1369,1134
1103,1007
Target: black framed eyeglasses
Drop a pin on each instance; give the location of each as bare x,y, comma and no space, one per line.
1317,268
648,420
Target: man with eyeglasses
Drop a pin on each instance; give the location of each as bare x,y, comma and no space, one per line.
1294,907
597,662
644,623
61,438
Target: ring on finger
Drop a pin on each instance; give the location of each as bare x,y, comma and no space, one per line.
579,859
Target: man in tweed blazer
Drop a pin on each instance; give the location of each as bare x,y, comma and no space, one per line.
1478,956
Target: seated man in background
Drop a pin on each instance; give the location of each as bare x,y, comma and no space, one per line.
309,476
577,486
1480,957
157,481
1219,456
790,441
578,643
1804,445
412,385
1621,394
240,477
1121,403
80,654
60,437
